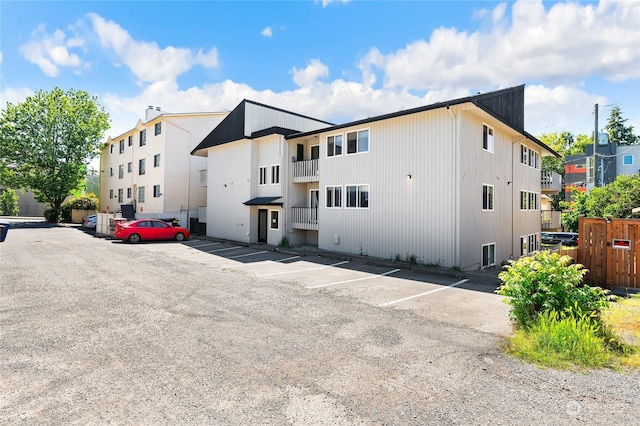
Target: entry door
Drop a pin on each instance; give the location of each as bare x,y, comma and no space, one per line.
300,152
262,225
313,203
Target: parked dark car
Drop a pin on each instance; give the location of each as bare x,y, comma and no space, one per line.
566,238
149,229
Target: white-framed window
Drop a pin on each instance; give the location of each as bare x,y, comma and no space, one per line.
156,191
156,160
488,255
121,171
141,166
157,129
143,137
529,157
524,240
275,174
487,197
627,160
129,167
358,141
274,222
529,200
263,175
334,145
524,154
141,194
357,196
128,192
334,197
121,143
110,193
120,195
130,140
487,138
529,244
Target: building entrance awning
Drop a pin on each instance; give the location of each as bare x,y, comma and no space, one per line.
263,201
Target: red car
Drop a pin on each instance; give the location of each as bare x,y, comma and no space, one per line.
149,229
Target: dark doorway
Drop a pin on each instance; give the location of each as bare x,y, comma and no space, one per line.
300,152
315,152
262,225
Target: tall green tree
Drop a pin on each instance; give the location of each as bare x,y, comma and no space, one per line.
47,141
618,131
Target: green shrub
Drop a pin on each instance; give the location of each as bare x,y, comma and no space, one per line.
52,215
8,202
87,201
284,243
548,282
562,340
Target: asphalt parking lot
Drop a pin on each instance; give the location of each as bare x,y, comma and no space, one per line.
457,298
95,331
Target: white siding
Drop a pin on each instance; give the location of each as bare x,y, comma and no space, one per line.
628,169
259,118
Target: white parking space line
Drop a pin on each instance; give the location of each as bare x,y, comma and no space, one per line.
245,255
224,249
205,245
424,294
356,279
303,270
260,262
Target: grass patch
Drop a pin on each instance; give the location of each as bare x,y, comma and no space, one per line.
623,318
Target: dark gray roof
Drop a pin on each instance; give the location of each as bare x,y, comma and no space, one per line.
263,201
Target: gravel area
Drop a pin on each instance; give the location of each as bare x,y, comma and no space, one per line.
95,331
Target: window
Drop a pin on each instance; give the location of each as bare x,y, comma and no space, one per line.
627,160
487,197
534,159
156,160
315,152
141,166
110,193
143,137
358,141
129,193
529,200
334,197
275,174
523,245
156,191
120,195
111,149
141,194
121,146
157,129
529,244
524,154
130,140
488,255
129,167
524,200
273,223
120,171
357,196
110,171
579,166
487,138
334,145
263,176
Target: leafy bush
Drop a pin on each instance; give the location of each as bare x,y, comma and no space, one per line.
81,202
52,215
548,282
284,243
8,202
562,340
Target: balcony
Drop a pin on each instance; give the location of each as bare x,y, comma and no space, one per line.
305,171
551,182
550,220
304,218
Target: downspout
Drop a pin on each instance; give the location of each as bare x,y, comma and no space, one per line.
188,224
456,198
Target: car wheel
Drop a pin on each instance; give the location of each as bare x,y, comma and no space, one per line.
179,236
134,238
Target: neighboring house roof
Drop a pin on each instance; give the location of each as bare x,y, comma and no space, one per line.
232,128
263,201
506,105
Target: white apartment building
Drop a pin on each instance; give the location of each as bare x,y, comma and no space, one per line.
457,183
150,166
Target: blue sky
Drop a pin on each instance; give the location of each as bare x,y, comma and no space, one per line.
335,60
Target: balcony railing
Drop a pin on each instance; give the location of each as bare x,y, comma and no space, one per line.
304,218
305,171
550,219
551,182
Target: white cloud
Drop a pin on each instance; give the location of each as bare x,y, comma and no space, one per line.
267,32
307,76
14,95
51,51
570,41
326,3
0,57
147,60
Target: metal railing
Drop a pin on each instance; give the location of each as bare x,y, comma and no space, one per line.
305,171
550,219
304,218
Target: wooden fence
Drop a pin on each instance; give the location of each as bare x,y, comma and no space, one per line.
610,250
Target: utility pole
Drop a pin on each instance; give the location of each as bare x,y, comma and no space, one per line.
595,146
